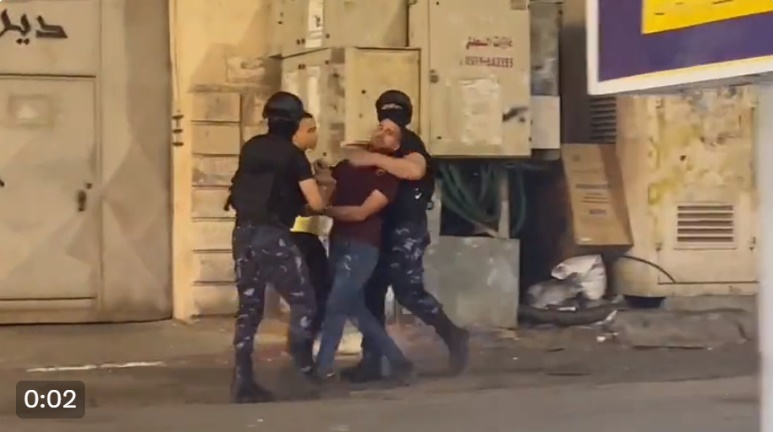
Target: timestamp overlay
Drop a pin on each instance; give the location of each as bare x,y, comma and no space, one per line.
50,399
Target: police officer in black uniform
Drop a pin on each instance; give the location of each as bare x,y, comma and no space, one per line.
271,187
406,238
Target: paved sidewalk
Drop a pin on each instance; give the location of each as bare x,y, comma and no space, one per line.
699,406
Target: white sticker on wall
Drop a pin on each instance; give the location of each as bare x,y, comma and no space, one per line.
480,114
290,82
315,26
313,95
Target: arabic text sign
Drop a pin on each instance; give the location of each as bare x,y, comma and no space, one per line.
51,37
23,29
665,15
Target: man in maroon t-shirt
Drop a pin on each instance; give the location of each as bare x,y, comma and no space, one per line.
355,240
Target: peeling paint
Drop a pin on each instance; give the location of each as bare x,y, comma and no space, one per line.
687,164
701,145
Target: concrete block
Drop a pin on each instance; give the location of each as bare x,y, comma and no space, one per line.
216,107
670,329
216,139
253,70
476,279
214,170
711,302
209,203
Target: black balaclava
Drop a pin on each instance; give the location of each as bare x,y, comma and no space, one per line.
283,113
396,106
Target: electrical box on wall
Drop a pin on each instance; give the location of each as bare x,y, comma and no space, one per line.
545,24
339,86
475,76
313,24
276,28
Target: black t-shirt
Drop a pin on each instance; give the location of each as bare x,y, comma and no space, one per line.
265,187
413,196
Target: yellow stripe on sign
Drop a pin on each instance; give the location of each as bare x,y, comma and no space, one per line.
665,15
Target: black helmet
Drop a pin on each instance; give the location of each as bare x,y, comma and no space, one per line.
395,97
285,107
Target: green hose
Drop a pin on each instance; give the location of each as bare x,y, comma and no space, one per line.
519,223
480,207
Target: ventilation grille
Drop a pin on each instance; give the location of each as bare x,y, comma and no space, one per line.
603,120
705,226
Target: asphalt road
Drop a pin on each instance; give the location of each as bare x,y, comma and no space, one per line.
707,406
533,381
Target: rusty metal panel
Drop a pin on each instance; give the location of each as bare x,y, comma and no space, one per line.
478,76
315,24
701,192
340,85
51,37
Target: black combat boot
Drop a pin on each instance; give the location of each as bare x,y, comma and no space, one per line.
302,353
456,339
244,389
367,370
401,373
459,350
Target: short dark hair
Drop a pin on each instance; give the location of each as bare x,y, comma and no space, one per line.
307,115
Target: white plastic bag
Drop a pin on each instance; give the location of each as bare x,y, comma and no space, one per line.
586,271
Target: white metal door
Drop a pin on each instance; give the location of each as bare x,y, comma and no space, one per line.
49,215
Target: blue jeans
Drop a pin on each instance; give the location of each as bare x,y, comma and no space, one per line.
352,264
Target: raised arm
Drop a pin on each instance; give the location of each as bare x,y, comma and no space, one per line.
412,166
302,171
375,202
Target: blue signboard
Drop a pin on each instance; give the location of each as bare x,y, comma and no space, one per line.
636,45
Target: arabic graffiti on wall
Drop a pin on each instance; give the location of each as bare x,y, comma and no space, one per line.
23,28
499,42
487,44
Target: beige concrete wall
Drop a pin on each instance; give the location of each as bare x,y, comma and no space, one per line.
136,103
129,65
695,147
221,79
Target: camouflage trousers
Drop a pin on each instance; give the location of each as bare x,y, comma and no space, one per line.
401,266
315,255
266,256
